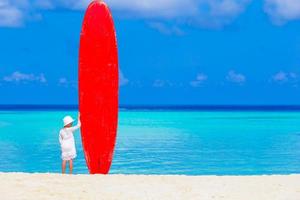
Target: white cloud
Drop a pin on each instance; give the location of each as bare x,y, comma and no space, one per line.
44,4
42,78
159,83
167,30
68,4
282,11
208,13
234,77
280,76
284,77
218,13
64,82
199,80
122,80
155,8
11,15
19,77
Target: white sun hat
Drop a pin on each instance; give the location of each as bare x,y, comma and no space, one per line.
68,120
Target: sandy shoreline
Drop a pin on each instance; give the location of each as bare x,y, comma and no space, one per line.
55,186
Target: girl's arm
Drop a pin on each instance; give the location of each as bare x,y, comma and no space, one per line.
74,128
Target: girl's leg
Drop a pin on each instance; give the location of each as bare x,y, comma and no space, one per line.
71,166
63,166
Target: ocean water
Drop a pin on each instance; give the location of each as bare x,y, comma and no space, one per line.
184,142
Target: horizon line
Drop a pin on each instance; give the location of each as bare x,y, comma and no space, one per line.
200,107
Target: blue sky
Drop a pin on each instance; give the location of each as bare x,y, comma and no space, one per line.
170,51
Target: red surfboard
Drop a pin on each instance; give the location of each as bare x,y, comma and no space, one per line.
98,87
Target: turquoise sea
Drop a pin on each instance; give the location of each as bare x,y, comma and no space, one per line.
188,142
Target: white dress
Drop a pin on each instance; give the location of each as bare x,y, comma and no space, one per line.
67,142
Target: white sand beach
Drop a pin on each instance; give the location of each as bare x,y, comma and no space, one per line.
17,186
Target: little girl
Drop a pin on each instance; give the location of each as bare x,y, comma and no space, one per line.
67,142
